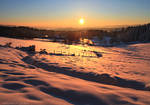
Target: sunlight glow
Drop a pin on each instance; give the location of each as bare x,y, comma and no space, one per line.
81,21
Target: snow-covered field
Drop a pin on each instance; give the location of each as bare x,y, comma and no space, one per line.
120,77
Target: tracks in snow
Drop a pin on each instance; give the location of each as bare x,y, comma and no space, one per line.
100,78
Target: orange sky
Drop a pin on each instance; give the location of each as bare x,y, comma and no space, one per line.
66,13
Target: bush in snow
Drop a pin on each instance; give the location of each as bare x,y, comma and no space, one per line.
28,49
8,44
43,51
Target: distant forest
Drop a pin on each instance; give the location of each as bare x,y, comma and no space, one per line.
139,33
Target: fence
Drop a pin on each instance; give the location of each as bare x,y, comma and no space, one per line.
81,54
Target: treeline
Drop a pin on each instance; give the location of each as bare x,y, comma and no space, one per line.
29,33
22,32
139,33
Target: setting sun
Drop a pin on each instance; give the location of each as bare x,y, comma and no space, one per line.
81,21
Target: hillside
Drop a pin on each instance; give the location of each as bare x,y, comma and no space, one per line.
119,77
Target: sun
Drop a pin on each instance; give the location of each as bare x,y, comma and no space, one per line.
81,21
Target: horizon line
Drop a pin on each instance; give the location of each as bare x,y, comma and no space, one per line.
74,28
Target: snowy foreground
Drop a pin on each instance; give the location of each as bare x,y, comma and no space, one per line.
120,77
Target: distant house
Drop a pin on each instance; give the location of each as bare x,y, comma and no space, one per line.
86,41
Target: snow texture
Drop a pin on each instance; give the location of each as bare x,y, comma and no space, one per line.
119,76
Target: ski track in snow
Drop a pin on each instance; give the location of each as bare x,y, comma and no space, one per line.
119,77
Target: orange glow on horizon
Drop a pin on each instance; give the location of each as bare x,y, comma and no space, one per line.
72,22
